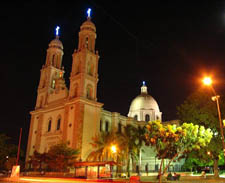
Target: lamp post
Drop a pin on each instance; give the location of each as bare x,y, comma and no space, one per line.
113,149
207,81
114,153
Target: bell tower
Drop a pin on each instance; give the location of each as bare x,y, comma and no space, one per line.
51,71
84,74
85,113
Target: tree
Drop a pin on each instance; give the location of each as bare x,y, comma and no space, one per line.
172,142
10,162
60,157
128,144
197,159
8,151
139,135
33,162
37,160
199,109
4,149
102,146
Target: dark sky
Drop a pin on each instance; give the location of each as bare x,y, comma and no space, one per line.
169,44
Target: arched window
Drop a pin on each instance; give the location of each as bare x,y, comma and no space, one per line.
54,59
86,42
147,118
136,117
89,92
53,84
49,125
119,127
90,68
106,126
58,124
100,125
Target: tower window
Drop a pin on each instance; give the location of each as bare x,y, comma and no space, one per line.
119,127
136,117
61,74
86,42
90,68
89,92
49,125
147,118
106,126
53,60
58,124
53,84
100,125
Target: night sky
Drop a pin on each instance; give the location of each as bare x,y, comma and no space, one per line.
168,44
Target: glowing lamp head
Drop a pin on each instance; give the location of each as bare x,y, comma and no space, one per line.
143,83
57,31
113,148
207,81
89,12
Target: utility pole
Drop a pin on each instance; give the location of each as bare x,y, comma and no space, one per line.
18,151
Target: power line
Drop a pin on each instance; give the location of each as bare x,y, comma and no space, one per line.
116,21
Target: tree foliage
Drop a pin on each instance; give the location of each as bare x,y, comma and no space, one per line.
199,109
102,143
128,143
173,142
8,151
59,158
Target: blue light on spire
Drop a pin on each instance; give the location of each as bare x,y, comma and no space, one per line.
89,12
57,31
143,82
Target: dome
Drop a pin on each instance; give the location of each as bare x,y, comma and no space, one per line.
144,107
56,43
144,101
88,25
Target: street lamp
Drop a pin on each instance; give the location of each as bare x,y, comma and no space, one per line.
113,149
208,81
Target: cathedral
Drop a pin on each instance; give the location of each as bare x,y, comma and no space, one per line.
73,115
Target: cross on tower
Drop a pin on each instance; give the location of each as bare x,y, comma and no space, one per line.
89,12
57,30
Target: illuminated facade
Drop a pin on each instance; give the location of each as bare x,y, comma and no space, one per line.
74,115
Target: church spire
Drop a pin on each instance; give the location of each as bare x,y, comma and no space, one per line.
84,74
55,51
87,34
144,88
51,70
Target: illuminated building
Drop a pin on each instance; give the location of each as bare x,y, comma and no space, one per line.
73,115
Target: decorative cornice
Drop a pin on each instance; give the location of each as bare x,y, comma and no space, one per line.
62,103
